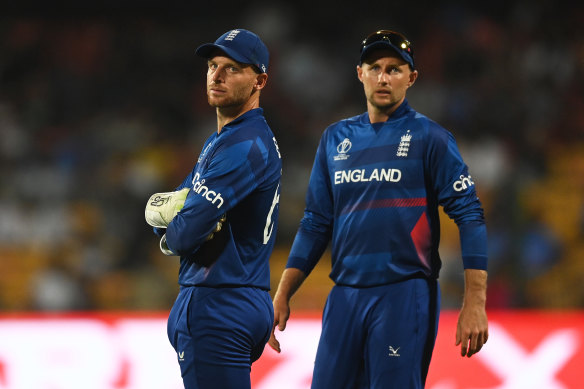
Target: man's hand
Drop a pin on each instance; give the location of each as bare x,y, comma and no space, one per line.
472,330
291,280
161,208
281,315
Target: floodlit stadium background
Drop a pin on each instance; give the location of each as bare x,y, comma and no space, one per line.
102,105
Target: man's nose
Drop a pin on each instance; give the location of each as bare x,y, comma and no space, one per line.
217,75
383,78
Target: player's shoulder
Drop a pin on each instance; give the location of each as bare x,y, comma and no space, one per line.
431,129
350,123
247,129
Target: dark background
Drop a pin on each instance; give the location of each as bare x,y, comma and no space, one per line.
103,104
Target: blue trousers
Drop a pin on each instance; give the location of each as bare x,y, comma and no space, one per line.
378,337
218,333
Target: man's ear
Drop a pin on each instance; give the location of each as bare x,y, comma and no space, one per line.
413,78
360,73
261,80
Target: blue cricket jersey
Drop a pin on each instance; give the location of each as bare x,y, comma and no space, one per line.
238,175
375,191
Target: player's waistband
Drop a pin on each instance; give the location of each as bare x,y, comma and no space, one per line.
223,286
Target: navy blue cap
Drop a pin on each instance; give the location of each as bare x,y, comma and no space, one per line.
241,45
386,39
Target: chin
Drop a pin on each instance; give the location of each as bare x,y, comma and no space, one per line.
384,105
215,103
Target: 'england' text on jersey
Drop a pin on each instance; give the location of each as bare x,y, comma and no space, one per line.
361,175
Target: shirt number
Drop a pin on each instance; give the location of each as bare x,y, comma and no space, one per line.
269,222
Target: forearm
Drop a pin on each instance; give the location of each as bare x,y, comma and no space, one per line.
475,288
291,280
309,244
191,227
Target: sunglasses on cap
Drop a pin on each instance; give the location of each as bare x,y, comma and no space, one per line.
395,39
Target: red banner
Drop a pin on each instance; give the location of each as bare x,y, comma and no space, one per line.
524,350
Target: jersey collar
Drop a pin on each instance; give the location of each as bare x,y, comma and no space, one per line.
252,113
401,111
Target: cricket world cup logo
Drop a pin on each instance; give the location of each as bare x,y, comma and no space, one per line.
342,150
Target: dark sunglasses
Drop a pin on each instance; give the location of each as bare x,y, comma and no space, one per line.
395,38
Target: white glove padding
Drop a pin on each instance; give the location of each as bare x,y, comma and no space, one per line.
164,247
162,207
167,251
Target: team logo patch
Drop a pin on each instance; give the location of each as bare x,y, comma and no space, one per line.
404,145
231,35
342,150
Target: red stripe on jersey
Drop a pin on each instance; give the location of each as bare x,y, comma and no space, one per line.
421,236
387,203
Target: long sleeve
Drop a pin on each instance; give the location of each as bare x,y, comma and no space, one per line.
233,173
459,199
315,228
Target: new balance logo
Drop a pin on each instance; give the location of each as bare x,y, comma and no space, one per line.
393,351
231,35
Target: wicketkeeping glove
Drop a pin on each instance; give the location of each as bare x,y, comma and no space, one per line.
217,227
162,207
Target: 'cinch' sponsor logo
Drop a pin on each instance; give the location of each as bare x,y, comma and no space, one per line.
463,183
361,175
204,191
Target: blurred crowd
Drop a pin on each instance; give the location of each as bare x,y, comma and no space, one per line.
99,109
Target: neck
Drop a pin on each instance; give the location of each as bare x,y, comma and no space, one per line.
226,115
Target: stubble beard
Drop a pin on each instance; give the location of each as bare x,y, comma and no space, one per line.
221,103
226,102
236,98
382,107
